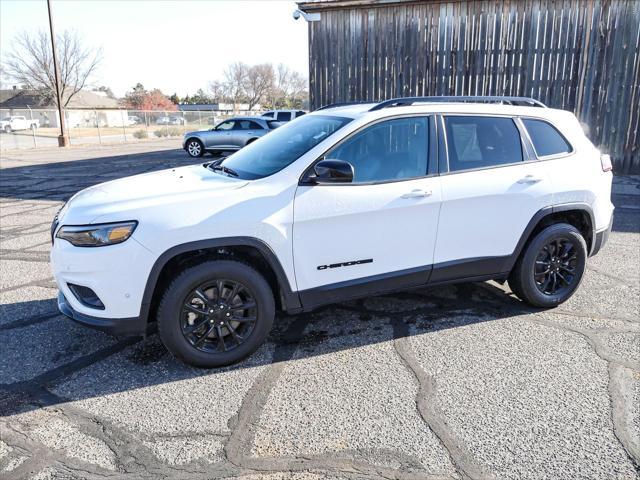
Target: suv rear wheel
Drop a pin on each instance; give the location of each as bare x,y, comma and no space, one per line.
216,313
550,270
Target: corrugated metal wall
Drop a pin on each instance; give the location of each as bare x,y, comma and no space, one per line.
579,55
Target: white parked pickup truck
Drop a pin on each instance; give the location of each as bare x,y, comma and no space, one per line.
18,122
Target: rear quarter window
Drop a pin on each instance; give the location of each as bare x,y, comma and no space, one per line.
546,139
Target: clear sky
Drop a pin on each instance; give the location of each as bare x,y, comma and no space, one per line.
177,46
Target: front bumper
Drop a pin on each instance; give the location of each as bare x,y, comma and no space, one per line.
136,326
117,274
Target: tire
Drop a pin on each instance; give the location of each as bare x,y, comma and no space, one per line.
7,129
195,337
194,147
541,277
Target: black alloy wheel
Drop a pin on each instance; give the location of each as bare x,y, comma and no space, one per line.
216,313
551,267
555,268
218,316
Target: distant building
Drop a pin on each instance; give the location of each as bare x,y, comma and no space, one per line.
218,107
82,111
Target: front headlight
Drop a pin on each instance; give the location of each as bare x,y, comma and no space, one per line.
97,235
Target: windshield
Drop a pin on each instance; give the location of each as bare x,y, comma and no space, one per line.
283,146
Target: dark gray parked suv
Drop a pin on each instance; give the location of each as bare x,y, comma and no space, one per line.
228,136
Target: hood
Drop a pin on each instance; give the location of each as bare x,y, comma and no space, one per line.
170,186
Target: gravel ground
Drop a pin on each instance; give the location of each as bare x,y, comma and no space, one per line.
451,382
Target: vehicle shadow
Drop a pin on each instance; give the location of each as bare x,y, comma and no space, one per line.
100,365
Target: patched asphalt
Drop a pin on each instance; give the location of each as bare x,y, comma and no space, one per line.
452,382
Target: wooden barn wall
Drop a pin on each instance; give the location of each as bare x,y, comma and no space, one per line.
579,55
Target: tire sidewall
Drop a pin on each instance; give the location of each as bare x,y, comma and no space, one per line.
169,313
558,231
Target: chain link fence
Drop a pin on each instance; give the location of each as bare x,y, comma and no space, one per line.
33,128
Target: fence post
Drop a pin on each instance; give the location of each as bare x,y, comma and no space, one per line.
166,125
98,126
146,123
33,129
124,130
66,121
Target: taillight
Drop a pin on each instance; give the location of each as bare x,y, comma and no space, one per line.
605,161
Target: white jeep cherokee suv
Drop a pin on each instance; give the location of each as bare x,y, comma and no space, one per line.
345,202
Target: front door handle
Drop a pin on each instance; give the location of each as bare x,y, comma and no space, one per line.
530,179
417,193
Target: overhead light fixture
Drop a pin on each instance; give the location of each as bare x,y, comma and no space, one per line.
309,17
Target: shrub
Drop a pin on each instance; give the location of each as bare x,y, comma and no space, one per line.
140,134
168,132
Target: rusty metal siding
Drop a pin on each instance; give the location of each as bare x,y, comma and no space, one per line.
579,55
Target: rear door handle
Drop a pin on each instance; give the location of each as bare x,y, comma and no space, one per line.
417,193
530,179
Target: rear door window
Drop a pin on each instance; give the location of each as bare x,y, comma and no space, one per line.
481,142
246,125
545,138
283,116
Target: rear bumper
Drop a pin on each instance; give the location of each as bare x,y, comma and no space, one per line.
136,326
600,239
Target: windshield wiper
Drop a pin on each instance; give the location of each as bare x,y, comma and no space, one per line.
222,168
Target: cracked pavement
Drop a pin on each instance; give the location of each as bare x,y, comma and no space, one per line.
453,382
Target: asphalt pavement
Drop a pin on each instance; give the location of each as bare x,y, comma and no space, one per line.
452,382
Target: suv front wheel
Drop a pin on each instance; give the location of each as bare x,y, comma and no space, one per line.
195,148
551,268
216,313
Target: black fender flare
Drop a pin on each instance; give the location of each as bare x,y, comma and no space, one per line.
291,299
537,218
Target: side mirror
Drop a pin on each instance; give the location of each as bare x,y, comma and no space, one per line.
332,171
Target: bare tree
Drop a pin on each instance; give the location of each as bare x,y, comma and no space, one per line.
258,83
30,63
280,89
218,90
234,80
298,92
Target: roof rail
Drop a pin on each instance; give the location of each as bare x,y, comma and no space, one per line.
399,102
342,104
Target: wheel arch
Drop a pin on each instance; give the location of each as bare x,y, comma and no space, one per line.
248,249
580,215
194,137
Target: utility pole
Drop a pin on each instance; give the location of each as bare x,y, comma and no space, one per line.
63,138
